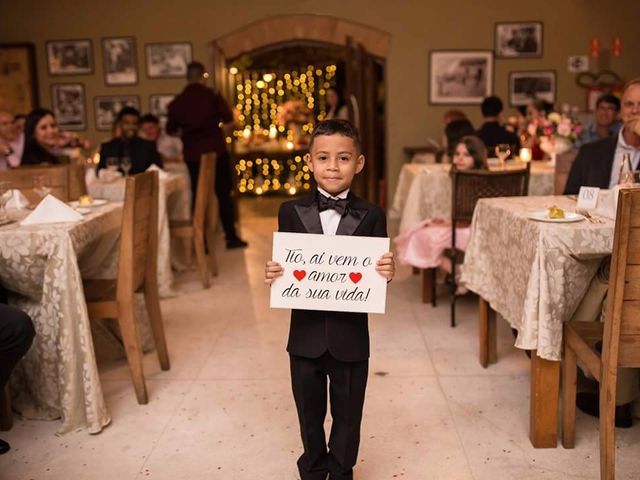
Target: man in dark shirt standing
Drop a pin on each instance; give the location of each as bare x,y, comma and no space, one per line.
198,114
491,132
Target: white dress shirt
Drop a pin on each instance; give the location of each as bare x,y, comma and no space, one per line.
329,218
622,148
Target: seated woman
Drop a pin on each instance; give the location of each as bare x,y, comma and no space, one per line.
41,138
454,131
424,245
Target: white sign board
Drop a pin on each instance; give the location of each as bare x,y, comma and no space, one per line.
587,198
327,272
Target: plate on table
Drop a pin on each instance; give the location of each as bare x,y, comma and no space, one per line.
543,216
96,203
82,210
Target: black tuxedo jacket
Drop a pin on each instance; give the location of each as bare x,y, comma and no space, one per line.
344,334
142,153
592,166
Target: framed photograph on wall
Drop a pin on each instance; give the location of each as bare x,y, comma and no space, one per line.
107,108
524,86
120,61
68,103
18,78
159,103
69,57
518,40
460,76
168,60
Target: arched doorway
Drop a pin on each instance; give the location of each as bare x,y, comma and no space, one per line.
294,49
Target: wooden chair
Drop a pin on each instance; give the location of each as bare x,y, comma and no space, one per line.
204,220
468,187
137,271
6,416
22,179
563,167
620,334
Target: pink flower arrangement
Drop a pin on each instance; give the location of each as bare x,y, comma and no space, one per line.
555,125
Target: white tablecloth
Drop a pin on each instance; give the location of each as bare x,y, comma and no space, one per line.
533,273
424,191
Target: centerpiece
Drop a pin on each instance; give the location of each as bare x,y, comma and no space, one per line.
557,133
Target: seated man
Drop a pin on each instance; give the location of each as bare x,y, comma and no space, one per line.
142,153
169,147
16,335
598,163
492,132
11,142
606,123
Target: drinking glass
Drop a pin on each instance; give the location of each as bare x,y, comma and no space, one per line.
5,195
112,164
503,150
125,164
41,185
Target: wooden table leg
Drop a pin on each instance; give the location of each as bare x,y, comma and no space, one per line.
427,285
6,417
543,408
487,333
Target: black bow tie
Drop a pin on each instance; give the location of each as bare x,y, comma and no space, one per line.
326,203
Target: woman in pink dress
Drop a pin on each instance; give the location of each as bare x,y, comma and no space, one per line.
423,246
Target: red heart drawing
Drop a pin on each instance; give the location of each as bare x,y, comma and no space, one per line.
355,277
299,274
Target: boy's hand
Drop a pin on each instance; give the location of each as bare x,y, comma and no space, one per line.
272,270
386,266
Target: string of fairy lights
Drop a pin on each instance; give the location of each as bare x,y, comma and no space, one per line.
275,115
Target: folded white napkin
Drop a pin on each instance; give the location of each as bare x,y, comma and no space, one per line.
51,210
106,175
17,200
607,203
161,173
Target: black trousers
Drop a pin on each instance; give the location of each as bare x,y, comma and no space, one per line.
222,187
347,385
16,335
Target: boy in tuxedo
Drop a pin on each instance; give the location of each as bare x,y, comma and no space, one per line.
330,344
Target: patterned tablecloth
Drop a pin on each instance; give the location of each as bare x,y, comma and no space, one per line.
174,202
533,273
43,264
424,191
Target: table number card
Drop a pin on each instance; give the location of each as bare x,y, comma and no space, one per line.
588,198
331,273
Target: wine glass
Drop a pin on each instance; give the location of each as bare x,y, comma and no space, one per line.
5,195
112,164
41,185
503,150
125,164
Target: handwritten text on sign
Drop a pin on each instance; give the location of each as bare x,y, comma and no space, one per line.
326,272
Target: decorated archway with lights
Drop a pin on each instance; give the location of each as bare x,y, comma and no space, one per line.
275,76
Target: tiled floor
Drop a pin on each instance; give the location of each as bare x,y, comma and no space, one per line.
225,409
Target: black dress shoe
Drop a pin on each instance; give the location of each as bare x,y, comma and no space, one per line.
4,447
236,243
589,403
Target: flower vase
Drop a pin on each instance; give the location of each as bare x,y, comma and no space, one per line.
553,145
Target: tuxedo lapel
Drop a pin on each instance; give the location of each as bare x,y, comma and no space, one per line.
353,218
309,215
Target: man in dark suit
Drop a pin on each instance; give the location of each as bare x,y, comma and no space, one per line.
333,345
16,335
141,153
598,163
198,115
491,132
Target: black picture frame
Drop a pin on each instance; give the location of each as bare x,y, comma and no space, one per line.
167,59
106,107
123,69
69,57
451,72
68,102
158,103
527,84
519,39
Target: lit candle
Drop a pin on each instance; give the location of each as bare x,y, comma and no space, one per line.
525,154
